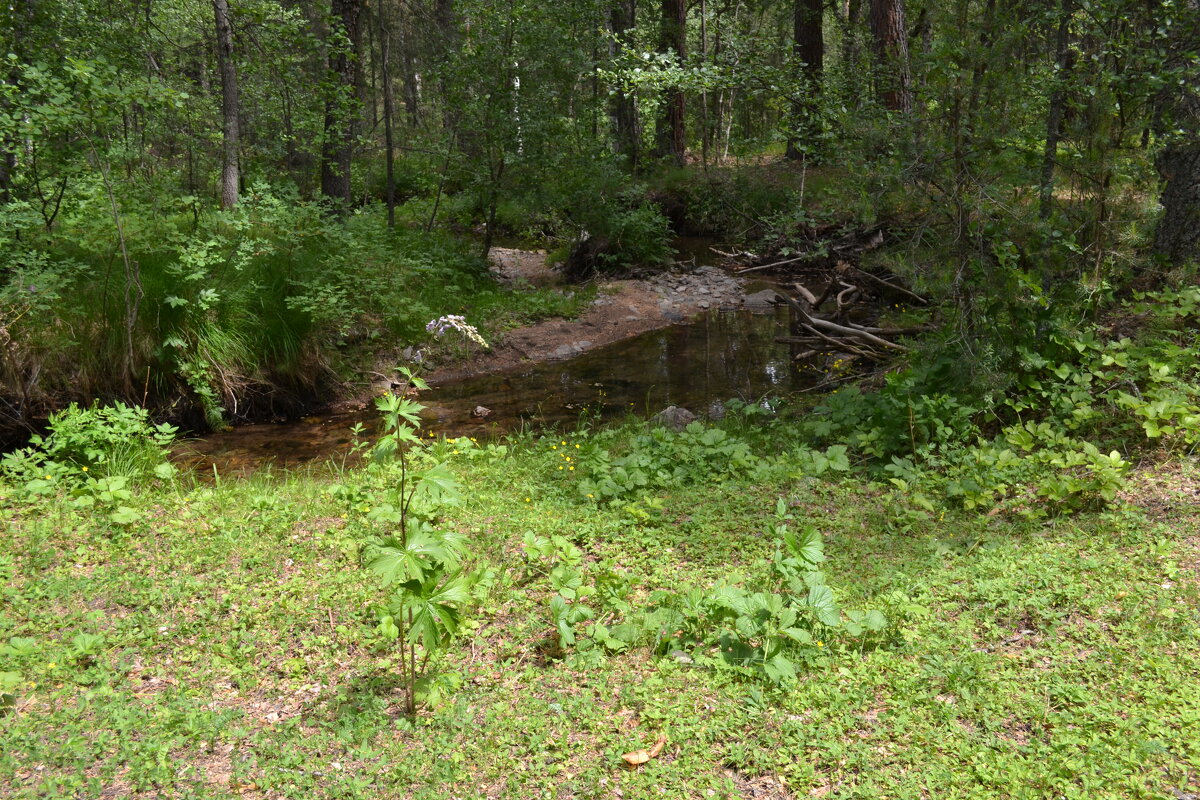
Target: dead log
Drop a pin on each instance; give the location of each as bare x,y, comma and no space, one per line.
808,320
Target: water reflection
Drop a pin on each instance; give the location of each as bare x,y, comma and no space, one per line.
697,365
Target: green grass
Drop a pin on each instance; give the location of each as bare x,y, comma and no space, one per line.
239,656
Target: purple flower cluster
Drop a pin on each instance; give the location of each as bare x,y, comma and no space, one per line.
439,326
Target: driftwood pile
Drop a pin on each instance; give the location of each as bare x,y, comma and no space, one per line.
826,322
820,334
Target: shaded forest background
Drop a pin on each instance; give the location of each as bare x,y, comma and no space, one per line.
212,207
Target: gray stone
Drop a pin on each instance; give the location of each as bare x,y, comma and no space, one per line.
760,301
674,418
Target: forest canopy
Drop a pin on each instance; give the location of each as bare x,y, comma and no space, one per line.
200,199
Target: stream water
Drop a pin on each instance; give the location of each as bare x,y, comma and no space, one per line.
696,365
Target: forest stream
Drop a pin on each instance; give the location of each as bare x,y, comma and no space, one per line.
697,364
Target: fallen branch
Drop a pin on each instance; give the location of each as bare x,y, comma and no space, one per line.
842,295
827,344
894,331
806,294
816,322
785,262
743,254
889,285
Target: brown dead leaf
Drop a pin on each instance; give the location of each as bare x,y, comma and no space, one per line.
638,757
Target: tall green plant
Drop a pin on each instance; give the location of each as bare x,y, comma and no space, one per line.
417,562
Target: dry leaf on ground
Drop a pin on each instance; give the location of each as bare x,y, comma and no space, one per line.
642,756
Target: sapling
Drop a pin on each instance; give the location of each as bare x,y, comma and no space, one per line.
417,562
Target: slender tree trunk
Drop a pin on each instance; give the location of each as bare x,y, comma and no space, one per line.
369,88
851,21
385,79
343,62
623,106
808,46
1177,237
1054,114
21,18
230,120
672,141
891,52
447,32
412,78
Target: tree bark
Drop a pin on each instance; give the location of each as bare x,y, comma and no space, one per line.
343,68
1054,114
623,106
891,52
230,119
1177,237
808,45
447,41
672,141
412,78
852,21
386,81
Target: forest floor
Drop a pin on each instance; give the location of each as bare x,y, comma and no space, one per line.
234,651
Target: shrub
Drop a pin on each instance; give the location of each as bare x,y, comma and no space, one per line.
95,442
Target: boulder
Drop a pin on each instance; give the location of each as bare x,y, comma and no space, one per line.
760,301
674,418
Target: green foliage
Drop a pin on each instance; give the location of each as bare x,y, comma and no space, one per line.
1054,656
419,562
1057,440
94,452
769,634
660,458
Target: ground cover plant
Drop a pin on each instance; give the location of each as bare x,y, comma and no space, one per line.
788,617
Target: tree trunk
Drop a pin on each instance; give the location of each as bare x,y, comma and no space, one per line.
385,79
623,106
672,142
808,45
891,53
412,79
343,63
230,122
21,20
1054,114
1178,235
447,41
851,25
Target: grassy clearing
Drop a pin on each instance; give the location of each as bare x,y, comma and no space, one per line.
238,654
